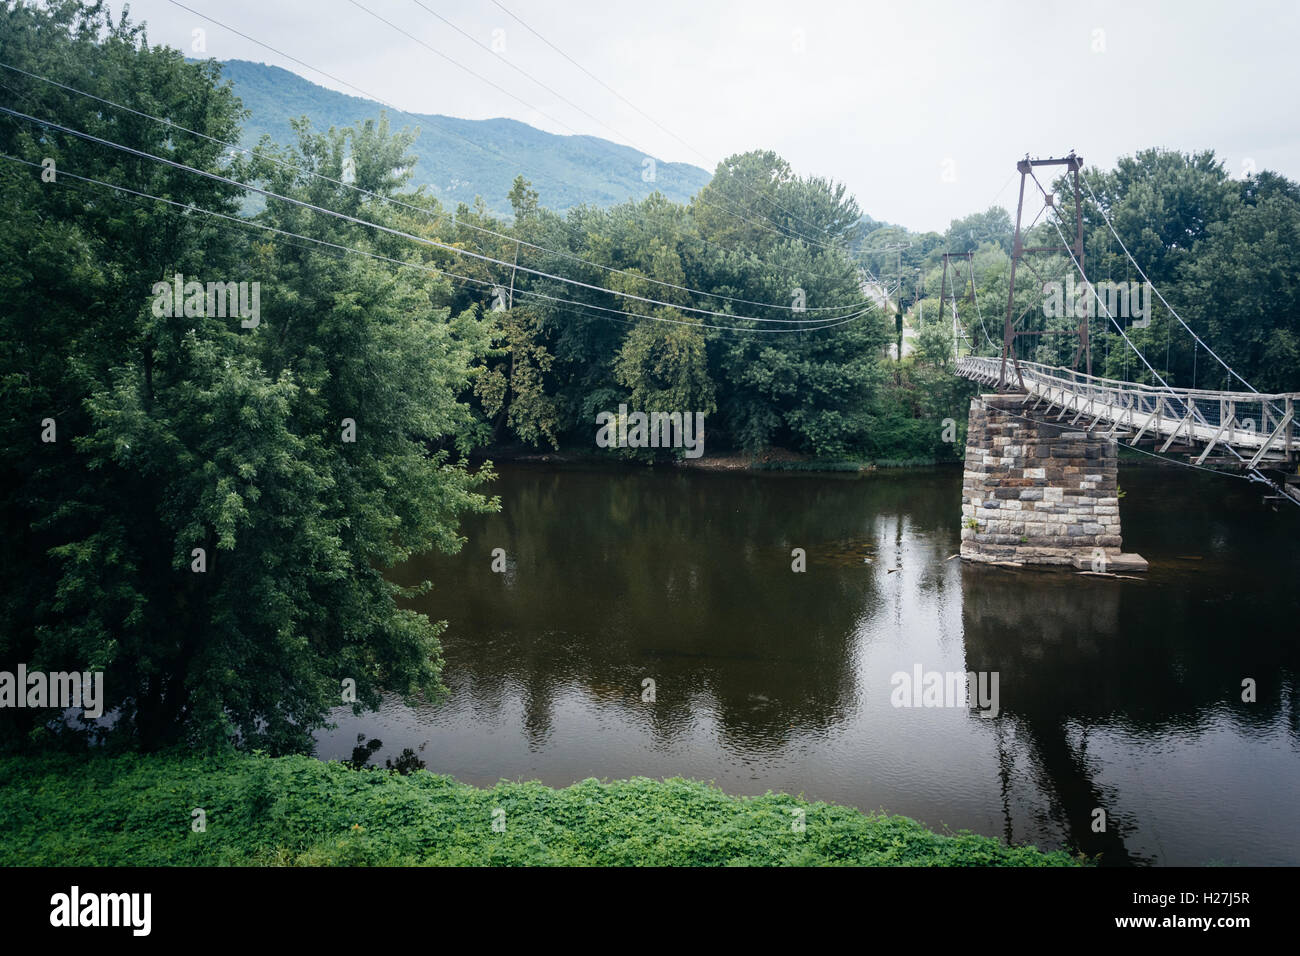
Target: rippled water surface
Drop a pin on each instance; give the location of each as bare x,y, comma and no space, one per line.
1113,694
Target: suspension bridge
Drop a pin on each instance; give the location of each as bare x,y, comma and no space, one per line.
1041,478
1245,430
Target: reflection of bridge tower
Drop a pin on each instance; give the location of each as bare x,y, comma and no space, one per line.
1053,647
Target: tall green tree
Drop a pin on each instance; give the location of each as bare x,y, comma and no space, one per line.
212,524
1243,291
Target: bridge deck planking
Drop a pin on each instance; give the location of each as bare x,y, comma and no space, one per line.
1262,425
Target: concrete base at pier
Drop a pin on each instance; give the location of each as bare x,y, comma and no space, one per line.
1038,492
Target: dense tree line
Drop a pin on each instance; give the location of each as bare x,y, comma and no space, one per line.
1223,251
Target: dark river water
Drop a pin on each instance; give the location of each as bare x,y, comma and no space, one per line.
1123,696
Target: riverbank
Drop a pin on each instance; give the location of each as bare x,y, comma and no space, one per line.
772,459
132,810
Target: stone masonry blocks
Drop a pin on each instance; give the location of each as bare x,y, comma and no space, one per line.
1038,492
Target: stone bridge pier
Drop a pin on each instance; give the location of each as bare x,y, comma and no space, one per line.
1038,492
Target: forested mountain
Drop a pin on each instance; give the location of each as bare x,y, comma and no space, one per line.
459,159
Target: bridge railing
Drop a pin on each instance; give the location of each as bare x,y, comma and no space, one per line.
1259,424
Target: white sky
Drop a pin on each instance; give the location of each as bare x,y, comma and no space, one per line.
885,97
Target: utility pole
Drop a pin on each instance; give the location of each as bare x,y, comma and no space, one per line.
965,296
513,270
898,329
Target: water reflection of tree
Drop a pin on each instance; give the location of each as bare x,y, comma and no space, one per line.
1139,657
684,579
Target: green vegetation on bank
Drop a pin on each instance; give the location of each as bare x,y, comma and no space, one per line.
853,466
138,811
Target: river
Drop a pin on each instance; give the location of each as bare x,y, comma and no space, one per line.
1114,696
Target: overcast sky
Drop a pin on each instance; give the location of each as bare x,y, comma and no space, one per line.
922,109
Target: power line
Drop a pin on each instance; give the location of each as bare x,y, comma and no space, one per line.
430,269
642,112
1152,286
406,113
245,223
974,295
1255,473
520,70
423,211
388,229
370,96
772,226
457,63
1104,308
